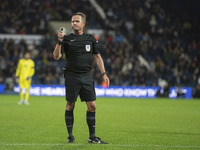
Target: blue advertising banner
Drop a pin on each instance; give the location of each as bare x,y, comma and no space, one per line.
2,88
118,91
186,92
45,90
112,91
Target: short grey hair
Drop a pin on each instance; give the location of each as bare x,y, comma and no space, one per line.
83,16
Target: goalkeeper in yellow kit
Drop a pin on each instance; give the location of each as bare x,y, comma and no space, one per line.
25,71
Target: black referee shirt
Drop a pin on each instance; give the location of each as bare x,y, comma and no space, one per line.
79,50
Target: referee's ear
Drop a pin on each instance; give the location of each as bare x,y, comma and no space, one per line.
84,23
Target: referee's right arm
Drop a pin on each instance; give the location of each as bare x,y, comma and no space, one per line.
57,51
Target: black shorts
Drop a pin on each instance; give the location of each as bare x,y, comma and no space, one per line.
79,84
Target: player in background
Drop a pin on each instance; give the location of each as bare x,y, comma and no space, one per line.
80,49
25,71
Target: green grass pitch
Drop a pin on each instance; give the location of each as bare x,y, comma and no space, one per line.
135,124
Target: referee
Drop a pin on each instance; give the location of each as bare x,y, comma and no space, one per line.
80,49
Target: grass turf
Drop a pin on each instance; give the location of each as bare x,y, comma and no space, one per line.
153,124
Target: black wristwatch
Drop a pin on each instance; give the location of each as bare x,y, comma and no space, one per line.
104,73
59,42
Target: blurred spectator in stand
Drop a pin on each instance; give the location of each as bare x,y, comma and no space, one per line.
179,91
197,89
9,77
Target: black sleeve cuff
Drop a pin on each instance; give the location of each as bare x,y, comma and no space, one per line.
104,73
59,42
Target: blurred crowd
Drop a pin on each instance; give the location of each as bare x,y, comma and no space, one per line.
32,16
151,44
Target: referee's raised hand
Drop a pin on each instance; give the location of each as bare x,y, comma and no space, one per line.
61,34
57,51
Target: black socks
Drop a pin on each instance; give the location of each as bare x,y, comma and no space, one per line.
69,119
91,123
90,117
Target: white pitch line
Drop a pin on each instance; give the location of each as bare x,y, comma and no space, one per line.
109,145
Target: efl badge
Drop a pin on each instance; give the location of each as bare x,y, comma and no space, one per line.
87,47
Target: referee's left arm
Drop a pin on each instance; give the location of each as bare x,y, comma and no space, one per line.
100,64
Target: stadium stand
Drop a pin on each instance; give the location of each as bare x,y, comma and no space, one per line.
152,41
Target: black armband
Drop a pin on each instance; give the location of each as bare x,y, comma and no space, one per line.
59,42
104,73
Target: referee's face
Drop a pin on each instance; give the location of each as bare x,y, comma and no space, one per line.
77,23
